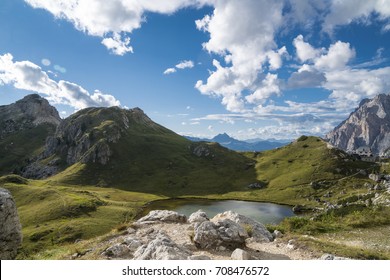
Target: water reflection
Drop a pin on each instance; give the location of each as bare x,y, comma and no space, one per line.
267,213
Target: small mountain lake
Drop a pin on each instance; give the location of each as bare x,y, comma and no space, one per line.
266,213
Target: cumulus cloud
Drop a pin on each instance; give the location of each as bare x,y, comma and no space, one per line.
185,64
347,11
169,71
242,33
269,87
26,75
180,66
117,44
306,79
339,54
304,50
246,56
110,20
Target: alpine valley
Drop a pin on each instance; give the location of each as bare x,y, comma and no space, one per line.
80,184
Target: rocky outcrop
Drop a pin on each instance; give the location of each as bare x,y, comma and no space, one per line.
257,231
10,230
223,233
168,235
198,217
28,112
161,248
368,126
86,137
163,216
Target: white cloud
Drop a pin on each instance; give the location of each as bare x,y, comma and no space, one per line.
338,56
304,50
26,75
275,58
347,11
185,64
117,44
242,33
169,71
268,88
181,65
110,20
356,84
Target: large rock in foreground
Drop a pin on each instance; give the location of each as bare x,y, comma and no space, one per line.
163,216
256,231
10,230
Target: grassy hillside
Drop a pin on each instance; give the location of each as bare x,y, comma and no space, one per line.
304,171
55,216
146,157
66,208
18,148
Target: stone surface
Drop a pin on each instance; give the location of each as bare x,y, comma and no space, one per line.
240,254
198,217
368,126
10,229
221,233
163,216
257,231
161,248
277,234
132,243
117,251
206,235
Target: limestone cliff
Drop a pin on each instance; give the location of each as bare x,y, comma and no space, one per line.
368,125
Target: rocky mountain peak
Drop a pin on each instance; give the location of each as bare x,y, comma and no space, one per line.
38,109
224,137
367,126
28,112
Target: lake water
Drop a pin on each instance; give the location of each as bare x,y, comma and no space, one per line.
266,213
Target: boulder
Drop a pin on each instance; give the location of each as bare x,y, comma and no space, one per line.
161,248
166,216
117,251
240,254
222,233
277,234
206,235
231,234
10,229
257,231
198,217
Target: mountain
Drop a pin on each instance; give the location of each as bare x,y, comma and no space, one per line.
24,127
237,145
125,149
367,126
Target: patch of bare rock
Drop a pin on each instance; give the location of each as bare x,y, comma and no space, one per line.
168,235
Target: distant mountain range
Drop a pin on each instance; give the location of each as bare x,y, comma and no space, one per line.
238,145
367,127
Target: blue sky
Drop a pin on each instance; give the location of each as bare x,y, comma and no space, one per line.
251,68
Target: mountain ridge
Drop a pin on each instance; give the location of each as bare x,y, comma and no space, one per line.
243,146
368,126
